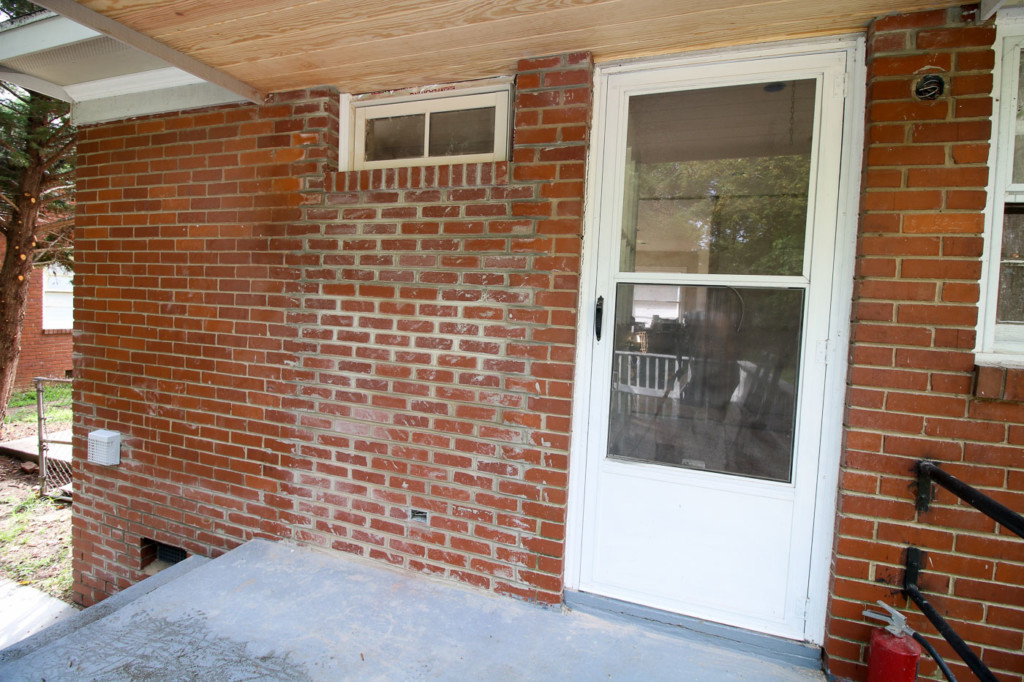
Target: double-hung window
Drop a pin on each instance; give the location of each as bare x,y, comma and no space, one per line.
1001,321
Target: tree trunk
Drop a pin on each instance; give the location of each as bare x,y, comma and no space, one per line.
14,282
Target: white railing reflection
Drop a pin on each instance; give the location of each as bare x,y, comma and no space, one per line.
641,380
646,373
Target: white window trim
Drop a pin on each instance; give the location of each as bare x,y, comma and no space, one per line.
357,109
1000,344
57,285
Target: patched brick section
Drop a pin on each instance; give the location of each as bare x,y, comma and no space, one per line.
436,347
912,372
186,230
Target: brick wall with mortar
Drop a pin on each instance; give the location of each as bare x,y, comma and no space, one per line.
296,353
914,390
184,274
438,334
303,354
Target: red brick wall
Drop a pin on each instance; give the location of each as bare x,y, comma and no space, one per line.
299,355
185,270
912,371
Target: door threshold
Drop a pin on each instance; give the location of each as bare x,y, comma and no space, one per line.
771,647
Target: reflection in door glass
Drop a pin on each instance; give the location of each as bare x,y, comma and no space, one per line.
717,180
706,378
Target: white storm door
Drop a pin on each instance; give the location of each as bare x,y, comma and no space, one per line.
717,218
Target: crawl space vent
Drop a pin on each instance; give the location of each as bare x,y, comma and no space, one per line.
171,555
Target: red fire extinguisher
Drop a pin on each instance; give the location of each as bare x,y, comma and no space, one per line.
892,658
893,655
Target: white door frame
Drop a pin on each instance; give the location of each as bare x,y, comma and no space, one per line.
839,316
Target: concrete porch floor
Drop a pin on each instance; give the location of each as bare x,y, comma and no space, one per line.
275,611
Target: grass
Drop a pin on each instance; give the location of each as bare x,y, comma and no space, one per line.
22,406
22,399
22,533
19,415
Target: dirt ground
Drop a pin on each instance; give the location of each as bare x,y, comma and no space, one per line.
17,430
35,533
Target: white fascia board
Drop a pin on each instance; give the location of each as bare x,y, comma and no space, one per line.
180,98
35,84
45,34
144,81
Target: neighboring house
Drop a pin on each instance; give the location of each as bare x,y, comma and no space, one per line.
46,329
631,316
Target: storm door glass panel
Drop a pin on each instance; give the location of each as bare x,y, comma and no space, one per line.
395,137
705,377
717,180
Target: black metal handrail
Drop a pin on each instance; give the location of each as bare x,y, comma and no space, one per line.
1001,514
927,472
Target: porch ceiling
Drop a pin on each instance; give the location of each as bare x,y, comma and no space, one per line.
367,45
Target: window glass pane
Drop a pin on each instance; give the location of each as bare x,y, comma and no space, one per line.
1010,306
1011,294
395,137
1018,130
717,180
58,298
706,378
466,131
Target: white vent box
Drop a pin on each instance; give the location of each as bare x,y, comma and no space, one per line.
105,447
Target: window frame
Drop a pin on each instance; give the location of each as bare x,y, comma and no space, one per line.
430,101
1001,343
62,286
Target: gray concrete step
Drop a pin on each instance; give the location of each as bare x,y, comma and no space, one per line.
70,620
28,448
281,612
27,611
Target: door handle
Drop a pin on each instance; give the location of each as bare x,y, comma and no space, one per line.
599,317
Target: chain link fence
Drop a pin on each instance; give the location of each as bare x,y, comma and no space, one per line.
53,400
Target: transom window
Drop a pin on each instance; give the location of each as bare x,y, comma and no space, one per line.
431,129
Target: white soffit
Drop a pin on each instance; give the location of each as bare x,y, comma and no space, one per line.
103,78
46,32
92,59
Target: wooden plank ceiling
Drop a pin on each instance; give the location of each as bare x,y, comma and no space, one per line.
368,45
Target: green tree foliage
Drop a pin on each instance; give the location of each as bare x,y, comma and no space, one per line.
37,165
13,9
731,216
748,214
